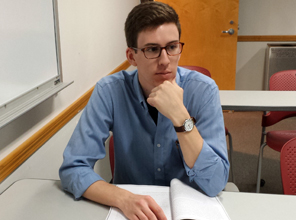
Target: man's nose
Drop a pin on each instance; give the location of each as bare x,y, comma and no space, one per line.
164,57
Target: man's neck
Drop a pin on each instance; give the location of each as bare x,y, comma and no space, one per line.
146,92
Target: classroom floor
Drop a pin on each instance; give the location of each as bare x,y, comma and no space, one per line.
245,128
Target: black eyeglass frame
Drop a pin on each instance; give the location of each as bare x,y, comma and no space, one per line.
161,48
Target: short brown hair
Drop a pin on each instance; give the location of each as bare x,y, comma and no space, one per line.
148,15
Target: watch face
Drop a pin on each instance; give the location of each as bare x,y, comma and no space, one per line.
188,125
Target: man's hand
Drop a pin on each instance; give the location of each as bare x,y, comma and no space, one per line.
142,207
168,99
132,205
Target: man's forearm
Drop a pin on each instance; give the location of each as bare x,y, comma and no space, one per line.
104,193
191,144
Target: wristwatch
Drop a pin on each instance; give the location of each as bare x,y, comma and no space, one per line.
187,125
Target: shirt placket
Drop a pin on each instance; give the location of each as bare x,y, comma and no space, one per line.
159,143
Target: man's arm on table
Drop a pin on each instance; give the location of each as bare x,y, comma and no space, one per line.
132,205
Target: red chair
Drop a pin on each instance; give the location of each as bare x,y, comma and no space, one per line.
227,133
199,69
111,156
280,81
288,167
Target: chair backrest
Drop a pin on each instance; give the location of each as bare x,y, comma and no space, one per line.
199,69
288,167
280,81
111,154
274,117
283,81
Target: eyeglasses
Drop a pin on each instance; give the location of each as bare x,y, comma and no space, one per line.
153,52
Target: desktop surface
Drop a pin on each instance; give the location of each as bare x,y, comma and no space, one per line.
249,100
44,199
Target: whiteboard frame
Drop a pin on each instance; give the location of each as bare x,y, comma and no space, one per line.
25,102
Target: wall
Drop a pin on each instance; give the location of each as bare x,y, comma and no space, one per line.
260,17
92,45
45,163
90,34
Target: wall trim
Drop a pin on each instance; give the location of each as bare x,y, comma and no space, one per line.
13,160
251,38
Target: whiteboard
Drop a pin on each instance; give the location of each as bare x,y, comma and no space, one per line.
28,55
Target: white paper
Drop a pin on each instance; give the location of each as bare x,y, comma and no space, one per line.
178,202
188,203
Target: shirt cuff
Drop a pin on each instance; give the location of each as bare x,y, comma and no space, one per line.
204,166
82,184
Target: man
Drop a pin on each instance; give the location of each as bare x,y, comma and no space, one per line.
167,122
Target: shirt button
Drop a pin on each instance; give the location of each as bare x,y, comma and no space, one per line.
159,169
158,145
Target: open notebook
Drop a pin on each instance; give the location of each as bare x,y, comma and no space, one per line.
179,201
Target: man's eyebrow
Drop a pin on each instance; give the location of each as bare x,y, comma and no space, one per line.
151,44
174,41
155,44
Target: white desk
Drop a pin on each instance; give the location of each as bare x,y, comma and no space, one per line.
32,199
242,100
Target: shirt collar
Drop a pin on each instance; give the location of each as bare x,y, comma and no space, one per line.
138,90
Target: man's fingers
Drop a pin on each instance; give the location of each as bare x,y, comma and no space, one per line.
154,211
142,207
150,210
147,214
158,212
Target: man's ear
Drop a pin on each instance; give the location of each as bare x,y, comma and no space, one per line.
130,56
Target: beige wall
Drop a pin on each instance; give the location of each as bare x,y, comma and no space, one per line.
92,45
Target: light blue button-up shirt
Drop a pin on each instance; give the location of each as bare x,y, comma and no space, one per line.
146,153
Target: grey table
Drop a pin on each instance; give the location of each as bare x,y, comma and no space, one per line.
243,100
31,199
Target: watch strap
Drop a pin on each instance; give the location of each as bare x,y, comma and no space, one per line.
182,128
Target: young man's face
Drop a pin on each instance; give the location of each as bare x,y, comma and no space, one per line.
153,72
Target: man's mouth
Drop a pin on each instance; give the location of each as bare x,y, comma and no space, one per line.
163,73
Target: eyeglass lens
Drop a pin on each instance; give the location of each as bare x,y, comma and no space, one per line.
155,51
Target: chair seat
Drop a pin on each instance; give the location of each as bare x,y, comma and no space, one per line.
277,139
231,187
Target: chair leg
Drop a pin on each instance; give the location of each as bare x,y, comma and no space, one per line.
230,155
259,167
263,133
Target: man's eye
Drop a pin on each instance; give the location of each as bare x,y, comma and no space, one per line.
152,49
172,46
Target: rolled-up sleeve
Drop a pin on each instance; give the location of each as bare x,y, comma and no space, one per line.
86,145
